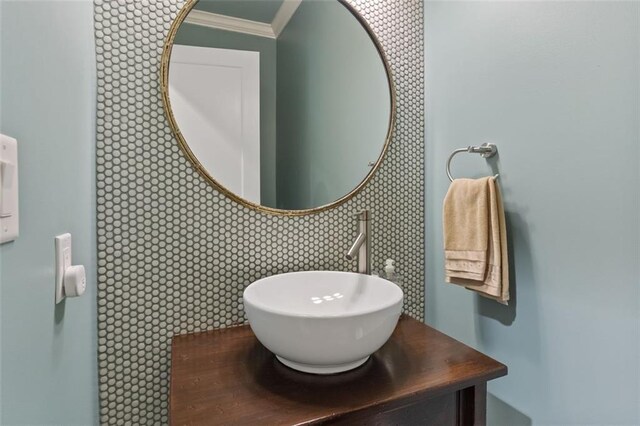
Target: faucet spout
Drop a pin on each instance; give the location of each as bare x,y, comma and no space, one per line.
362,244
351,254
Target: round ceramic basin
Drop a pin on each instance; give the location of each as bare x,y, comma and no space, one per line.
323,322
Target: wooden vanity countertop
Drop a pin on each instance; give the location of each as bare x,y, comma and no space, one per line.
227,377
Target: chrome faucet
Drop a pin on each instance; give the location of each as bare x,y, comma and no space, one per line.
362,244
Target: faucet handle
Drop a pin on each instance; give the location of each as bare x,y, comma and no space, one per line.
363,215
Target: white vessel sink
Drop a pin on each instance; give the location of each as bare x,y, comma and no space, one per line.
323,322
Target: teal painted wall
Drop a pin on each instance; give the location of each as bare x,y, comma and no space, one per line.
333,105
194,35
47,101
556,86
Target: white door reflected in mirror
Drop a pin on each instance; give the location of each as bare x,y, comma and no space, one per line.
215,96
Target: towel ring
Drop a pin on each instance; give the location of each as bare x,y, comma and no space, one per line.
486,150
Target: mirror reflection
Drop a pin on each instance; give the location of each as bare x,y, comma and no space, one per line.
285,104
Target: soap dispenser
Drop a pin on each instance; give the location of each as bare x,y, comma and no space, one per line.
390,272
389,269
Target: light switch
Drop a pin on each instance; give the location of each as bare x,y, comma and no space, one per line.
71,279
9,219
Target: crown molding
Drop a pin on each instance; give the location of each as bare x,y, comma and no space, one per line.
229,23
284,15
246,26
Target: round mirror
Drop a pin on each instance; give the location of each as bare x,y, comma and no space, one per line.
286,106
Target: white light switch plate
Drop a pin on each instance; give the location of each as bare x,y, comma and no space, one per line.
63,261
9,218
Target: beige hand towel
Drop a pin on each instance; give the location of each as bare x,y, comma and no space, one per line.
475,238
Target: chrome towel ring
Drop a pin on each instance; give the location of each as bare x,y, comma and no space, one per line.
486,150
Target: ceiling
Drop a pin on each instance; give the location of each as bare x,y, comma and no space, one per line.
253,10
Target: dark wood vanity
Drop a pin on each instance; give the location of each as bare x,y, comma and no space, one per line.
419,377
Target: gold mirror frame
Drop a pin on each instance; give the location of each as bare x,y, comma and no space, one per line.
164,82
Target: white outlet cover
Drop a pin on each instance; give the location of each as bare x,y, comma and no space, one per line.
9,215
